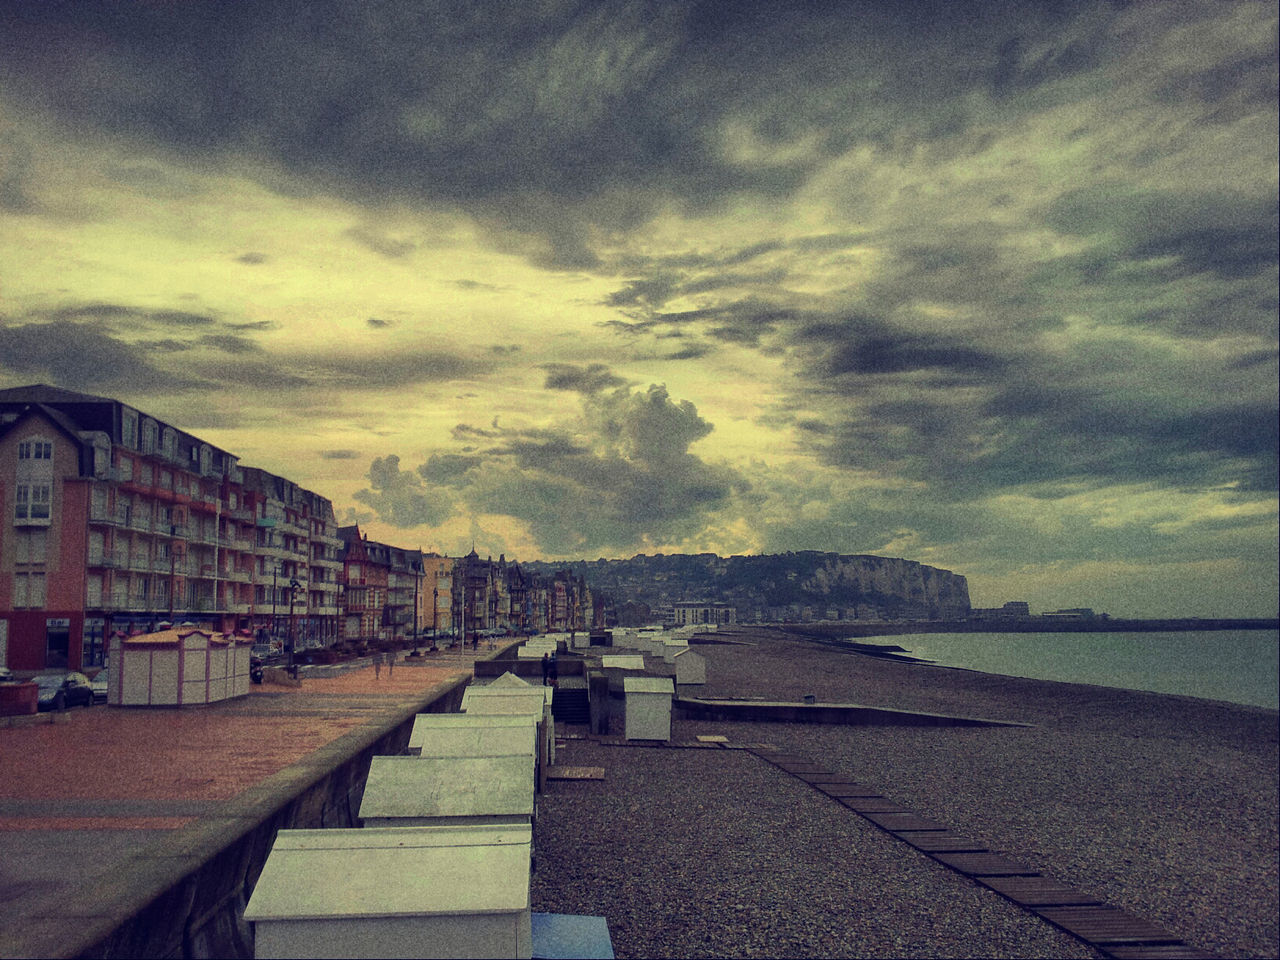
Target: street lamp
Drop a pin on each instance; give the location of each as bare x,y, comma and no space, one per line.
294,587
417,582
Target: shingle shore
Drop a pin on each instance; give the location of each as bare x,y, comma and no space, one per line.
1164,806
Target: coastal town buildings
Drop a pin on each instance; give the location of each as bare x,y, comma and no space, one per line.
684,614
115,522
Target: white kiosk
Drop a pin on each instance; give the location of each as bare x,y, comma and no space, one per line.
648,707
512,702
691,668
472,735
419,891
448,791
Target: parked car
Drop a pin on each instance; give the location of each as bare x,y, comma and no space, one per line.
99,684
57,691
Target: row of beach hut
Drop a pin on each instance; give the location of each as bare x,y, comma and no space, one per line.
441,864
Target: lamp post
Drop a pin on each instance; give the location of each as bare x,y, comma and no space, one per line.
275,569
417,582
294,587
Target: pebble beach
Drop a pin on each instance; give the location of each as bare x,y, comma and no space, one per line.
1164,806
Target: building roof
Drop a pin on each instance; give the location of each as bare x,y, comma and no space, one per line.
59,419
43,393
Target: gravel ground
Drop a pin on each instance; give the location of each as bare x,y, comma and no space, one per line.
1164,806
715,853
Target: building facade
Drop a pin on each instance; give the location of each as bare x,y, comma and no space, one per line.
116,522
698,613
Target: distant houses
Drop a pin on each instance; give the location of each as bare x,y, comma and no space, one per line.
115,522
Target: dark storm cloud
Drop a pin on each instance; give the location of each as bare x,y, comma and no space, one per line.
539,119
447,468
134,316
229,343
1228,89
78,356
589,379
900,352
1232,235
252,258
693,351
340,454
401,369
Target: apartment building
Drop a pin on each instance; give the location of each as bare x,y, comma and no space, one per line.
437,581
115,521
296,562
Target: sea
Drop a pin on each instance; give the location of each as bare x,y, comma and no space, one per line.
1240,666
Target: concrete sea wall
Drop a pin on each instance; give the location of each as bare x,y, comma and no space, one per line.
184,896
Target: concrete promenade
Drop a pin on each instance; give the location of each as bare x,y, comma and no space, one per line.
105,811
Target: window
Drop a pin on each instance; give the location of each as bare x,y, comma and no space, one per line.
32,545
125,468
28,590
31,503
129,429
37,449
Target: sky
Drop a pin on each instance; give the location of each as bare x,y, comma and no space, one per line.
991,286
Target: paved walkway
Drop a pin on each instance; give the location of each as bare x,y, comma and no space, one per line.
82,791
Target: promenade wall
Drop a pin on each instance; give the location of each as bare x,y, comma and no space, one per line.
184,896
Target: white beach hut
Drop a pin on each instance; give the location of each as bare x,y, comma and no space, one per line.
398,892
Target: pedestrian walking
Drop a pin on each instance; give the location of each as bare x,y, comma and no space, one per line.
554,670
546,668
377,666
391,664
